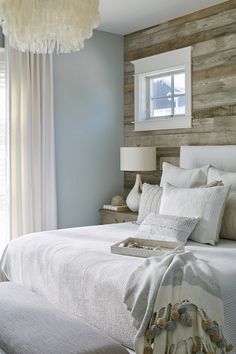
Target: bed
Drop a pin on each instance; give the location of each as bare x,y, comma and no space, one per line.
75,270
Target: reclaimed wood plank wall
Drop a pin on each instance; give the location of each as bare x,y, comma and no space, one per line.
212,34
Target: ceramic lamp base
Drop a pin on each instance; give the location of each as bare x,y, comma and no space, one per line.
133,199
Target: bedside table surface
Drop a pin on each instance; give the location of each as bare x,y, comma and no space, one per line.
112,217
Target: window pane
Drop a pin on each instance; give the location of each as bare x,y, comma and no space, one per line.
179,83
160,107
179,105
160,87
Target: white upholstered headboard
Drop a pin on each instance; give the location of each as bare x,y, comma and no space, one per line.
220,156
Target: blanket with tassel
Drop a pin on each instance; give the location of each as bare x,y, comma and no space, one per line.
177,308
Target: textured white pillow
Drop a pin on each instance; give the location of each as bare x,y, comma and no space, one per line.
167,228
205,203
150,201
228,178
182,178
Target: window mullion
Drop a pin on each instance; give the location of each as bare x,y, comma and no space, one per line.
172,96
148,98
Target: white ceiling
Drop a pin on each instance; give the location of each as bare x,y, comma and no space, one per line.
126,16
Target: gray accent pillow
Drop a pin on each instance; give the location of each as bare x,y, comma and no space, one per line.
205,203
167,228
228,229
150,201
180,177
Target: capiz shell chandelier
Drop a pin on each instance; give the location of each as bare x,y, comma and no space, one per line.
42,26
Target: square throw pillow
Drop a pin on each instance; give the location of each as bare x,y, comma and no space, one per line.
167,228
228,178
182,178
205,203
150,201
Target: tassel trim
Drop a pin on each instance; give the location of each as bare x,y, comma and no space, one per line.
167,319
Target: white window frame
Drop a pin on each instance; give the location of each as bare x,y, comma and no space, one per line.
160,64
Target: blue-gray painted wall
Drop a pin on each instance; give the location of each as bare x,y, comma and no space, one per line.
88,89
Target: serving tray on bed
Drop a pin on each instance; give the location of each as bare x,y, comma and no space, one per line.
139,247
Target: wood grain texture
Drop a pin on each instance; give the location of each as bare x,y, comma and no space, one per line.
113,217
212,34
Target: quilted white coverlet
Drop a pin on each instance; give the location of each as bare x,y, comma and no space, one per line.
75,270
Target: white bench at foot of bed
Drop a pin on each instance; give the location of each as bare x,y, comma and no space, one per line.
30,325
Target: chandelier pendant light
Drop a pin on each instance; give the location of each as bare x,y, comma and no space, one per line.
42,26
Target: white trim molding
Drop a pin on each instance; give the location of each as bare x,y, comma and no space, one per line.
176,60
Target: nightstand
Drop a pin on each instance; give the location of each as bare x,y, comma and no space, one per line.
113,217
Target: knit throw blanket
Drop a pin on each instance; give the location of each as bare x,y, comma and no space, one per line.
177,307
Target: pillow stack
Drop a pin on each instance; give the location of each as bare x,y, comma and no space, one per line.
182,196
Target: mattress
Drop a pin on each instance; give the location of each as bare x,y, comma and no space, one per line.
74,270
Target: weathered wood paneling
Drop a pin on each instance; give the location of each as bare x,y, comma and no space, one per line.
212,34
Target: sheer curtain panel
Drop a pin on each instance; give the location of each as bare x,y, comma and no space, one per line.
32,151
4,158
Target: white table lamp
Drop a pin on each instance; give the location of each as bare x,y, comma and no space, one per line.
137,159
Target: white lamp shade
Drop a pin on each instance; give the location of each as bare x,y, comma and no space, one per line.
138,159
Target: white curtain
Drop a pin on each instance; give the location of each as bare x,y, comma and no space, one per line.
32,151
4,154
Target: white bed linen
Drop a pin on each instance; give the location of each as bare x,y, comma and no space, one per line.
75,270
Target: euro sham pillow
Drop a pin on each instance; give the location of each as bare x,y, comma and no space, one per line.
180,177
205,203
228,229
150,201
167,228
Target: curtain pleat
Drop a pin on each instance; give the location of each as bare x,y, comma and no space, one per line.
32,145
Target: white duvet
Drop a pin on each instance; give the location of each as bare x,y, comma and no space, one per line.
75,270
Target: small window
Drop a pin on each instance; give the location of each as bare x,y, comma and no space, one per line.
163,96
166,95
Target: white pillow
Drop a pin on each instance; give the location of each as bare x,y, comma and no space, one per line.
228,178
167,228
205,203
150,201
180,177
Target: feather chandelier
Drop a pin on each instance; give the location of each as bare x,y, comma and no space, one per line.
42,26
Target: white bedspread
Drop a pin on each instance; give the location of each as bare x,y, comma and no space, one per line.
75,270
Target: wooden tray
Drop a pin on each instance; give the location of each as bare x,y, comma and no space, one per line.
166,246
